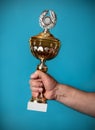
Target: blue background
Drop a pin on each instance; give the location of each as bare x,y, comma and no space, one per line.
74,65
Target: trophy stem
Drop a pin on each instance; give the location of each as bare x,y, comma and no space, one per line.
42,66
39,99
46,30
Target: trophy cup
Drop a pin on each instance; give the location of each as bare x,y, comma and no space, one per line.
43,46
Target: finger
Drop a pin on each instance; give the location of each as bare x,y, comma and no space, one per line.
35,94
38,74
34,83
39,90
33,80
43,76
35,89
34,76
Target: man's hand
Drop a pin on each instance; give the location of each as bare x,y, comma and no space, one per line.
79,100
41,82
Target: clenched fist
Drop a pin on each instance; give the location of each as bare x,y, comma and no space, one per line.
43,83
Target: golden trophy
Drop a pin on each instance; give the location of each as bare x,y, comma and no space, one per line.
43,46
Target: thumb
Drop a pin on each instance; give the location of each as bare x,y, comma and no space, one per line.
37,74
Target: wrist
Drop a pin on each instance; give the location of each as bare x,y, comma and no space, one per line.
63,92
58,92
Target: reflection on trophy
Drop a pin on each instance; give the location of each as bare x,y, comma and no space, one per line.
43,46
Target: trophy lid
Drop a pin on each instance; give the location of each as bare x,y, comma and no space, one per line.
45,36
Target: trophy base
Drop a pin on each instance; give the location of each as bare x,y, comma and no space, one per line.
42,107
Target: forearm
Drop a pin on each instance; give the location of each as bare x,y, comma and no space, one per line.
76,99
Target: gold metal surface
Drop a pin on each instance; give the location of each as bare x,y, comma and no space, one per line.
44,46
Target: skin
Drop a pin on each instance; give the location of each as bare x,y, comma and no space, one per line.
79,100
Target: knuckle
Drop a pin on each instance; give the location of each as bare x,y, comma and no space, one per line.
40,89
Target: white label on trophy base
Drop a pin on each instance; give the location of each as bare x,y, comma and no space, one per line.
37,106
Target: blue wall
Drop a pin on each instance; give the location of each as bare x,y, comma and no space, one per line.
74,65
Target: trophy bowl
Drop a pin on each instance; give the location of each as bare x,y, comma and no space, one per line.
44,47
